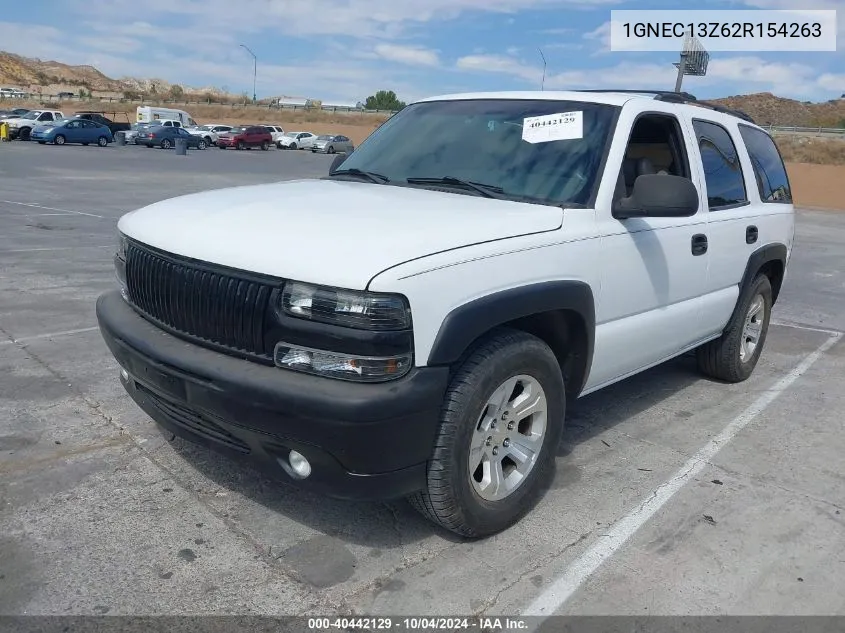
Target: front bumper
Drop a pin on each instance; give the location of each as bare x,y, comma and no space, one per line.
364,441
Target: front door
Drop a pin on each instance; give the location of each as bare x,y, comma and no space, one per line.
653,270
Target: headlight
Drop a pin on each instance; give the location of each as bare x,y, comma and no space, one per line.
360,310
342,366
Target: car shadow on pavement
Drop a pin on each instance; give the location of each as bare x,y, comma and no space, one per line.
395,524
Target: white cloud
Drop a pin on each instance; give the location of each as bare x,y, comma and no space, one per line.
413,55
602,36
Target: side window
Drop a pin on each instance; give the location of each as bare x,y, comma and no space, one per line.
46,117
656,146
722,170
769,170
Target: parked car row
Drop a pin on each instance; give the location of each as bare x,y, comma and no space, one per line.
51,126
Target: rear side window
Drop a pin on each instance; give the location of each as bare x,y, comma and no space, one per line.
722,170
772,180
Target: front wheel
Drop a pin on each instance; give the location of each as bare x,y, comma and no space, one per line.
102,141
59,140
241,145
500,426
733,356
292,146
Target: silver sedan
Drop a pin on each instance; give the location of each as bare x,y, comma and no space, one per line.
332,144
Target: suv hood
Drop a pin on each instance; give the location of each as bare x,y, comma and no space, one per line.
329,232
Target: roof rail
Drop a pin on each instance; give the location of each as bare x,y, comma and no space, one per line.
660,95
682,97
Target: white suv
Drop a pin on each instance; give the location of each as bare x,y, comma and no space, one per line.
480,261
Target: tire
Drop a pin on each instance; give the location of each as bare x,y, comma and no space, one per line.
85,144
102,141
733,356
59,139
165,143
240,145
279,145
42,142
330,150
292,146
207,140
265,146
454,498
202,144
23,133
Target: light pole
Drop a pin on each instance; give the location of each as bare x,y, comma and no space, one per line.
254,69
543,85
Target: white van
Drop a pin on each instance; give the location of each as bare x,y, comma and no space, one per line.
150,114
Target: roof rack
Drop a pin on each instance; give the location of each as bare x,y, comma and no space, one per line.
681,97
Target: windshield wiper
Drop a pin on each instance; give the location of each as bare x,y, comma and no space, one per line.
370,175
488,191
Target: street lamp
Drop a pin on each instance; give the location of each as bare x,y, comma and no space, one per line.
254,69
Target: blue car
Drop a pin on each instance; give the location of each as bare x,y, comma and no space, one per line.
72,131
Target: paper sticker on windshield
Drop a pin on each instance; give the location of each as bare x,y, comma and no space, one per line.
553,127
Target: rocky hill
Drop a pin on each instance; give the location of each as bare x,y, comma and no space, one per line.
767,109
35,75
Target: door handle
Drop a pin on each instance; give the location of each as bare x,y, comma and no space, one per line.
751,234
699,244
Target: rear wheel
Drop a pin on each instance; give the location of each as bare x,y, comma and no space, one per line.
165,143
265,146
500,426
60,139
102,141
733,356
201,144
330,150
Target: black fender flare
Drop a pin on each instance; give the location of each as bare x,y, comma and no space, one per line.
758,259
466,323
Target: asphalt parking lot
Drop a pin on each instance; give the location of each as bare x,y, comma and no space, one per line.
673,494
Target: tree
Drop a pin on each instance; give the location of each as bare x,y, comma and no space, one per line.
176,91
384,100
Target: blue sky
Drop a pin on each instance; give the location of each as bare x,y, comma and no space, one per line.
348,49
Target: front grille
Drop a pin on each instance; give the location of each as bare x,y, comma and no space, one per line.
200,424
199,302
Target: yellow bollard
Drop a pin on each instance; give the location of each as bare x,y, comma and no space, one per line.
4,131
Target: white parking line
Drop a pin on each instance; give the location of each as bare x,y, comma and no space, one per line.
38,206
53,248
36,337
565,586
809,328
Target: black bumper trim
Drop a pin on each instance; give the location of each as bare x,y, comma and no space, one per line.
364,441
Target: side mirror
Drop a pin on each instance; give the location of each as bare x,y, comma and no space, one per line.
338,159
659,196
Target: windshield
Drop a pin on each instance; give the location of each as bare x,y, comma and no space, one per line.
324,137
556,160
31,115
204,128
291,134
237,130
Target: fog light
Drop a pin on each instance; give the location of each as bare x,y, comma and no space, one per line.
299,464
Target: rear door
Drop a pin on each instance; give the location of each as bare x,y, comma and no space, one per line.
738,221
